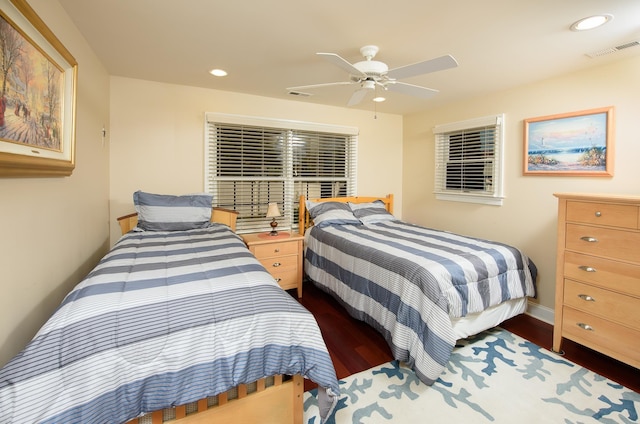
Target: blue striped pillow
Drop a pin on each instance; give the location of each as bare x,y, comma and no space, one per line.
372,212
329,213
161,212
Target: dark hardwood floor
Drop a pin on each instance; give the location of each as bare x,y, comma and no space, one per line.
355,346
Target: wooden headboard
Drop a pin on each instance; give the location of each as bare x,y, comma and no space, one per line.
304,220
220,215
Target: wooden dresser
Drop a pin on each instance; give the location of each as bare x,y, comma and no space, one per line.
281,255
597,301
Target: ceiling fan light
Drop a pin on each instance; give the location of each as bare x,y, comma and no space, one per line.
379,99
369,84
591,22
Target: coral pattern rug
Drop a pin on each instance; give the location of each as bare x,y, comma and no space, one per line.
494,377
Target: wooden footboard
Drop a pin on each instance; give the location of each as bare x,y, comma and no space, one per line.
269,400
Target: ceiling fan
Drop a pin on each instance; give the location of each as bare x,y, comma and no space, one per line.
370,74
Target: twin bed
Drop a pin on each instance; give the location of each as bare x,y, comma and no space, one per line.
421,288
175,319
181,322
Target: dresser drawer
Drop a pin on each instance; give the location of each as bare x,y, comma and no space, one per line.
604,303
605,336
606,242
619,276
275,249
623,216
280,264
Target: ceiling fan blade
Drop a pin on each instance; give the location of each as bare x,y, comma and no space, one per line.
358,96
328,84
432,65
411,90
342,63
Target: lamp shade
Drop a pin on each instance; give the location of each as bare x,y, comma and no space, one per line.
272,210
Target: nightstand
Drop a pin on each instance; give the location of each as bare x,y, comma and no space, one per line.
281,255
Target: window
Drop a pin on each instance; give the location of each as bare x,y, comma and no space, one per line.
251,162
469,160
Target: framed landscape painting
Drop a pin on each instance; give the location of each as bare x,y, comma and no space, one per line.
573,144
37,96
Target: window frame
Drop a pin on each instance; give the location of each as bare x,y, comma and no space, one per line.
293,185
470,131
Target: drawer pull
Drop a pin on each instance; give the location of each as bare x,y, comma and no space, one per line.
598,214
278,280
276,250
587,268
276,264
585,326
586,298
589,239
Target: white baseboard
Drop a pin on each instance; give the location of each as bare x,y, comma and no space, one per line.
540,312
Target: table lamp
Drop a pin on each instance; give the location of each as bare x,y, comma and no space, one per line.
273,212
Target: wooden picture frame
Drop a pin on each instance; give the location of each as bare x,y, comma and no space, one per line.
570,144
37,96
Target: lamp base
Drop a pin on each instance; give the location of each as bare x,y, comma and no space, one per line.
273,224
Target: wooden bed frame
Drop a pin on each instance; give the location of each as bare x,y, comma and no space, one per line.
223,216
305,221
272,400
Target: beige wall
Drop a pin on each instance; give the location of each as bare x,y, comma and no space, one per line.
157,138
54,230
528,217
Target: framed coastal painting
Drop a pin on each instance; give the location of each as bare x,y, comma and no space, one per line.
37,96
572,144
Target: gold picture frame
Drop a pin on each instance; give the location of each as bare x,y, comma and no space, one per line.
37,96
570,144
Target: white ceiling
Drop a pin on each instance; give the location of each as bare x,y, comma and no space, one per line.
267,46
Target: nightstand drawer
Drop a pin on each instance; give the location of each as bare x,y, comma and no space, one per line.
281,255
280,264
623,216
619,276
286,278
604,303
276,249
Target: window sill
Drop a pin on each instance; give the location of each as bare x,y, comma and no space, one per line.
470,198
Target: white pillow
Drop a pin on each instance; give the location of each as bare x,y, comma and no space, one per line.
161,212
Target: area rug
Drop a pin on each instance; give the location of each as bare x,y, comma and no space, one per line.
494,377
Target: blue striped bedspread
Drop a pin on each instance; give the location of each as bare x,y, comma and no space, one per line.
408,282
164,319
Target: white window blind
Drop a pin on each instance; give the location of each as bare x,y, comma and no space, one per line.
251,162
468,158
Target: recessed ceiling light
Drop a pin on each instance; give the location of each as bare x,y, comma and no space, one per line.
218,72
591,22
379,99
